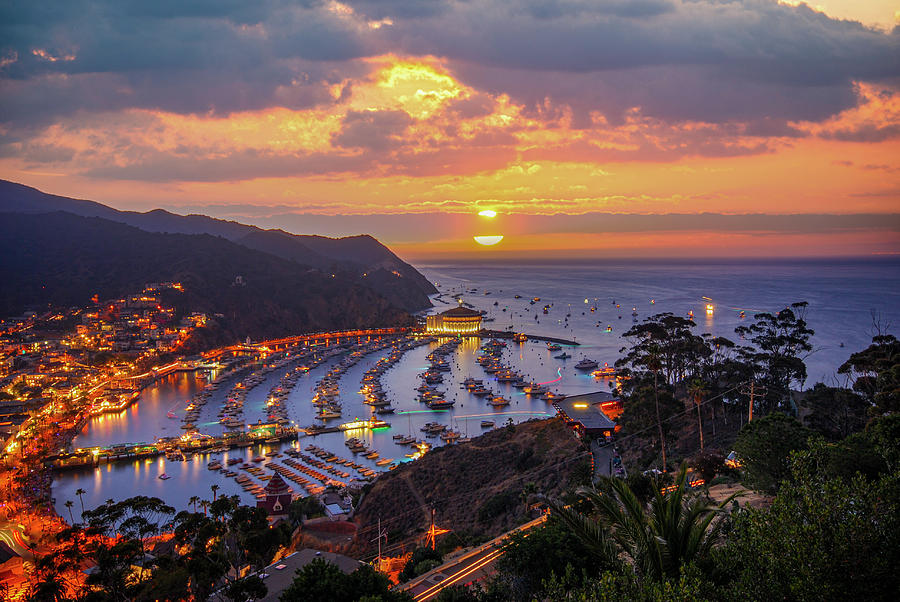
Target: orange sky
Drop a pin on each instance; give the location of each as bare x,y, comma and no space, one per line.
405,133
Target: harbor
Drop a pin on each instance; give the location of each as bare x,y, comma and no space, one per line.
363,382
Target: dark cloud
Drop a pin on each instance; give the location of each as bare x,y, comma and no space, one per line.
865,133
424,227
754,61
154,166
372,130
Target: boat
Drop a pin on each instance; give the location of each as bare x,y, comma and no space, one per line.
164,476
171,414
534,389
450,436
520,337
439,404
384,462
605,371
486,424
586,364
214,465
498,401
562,356
553,347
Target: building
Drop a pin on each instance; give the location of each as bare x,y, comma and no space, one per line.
280,575
278,497
585,413
457,321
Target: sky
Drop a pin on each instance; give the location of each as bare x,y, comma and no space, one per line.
594,128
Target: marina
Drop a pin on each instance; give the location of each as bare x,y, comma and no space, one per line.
472,388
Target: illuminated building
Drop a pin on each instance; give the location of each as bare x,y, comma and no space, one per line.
278,497
457,321
588,413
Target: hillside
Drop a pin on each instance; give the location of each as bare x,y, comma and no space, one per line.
65,259
475,487
385,273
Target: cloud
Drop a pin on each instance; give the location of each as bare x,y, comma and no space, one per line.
677,59
372,130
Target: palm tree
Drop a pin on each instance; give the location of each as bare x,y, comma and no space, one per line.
655,364
696,390
194,499
80,493
69,504
204,504
214,488
672,530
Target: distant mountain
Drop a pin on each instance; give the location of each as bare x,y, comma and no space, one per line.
376,266
64,259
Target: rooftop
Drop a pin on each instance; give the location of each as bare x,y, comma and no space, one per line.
278,579
461,312
586,410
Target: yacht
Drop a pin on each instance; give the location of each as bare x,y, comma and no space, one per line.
586,364
498,401
562,356
535,389
486,424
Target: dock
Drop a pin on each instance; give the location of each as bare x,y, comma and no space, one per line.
98,456
506,334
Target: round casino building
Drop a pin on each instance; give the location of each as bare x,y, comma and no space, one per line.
457,321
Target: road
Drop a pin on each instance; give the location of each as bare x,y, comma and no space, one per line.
469,567
13,534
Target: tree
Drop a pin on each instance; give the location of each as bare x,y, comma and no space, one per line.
673,531
305,508
248,588
530,558
877,373
69,505
193,501
661,346
764,446
322,580
780,340
422,560
80,493
214,488
696,391
708,463
823,538
833,412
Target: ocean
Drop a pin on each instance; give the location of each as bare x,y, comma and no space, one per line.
846,298
843,297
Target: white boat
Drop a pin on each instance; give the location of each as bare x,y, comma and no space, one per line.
164,476
586,364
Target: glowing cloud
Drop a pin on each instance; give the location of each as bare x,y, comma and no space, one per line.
488,240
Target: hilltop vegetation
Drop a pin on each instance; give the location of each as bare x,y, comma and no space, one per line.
65,259
482,487
360,259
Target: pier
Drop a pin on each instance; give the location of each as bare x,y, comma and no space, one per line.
97,456
505,334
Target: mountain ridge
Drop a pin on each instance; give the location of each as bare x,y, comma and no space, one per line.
63,259
384,272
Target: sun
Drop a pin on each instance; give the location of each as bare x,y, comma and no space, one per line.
488,241
487,213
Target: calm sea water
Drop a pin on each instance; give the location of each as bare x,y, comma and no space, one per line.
842,296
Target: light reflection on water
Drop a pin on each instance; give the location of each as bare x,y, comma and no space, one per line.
840,297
